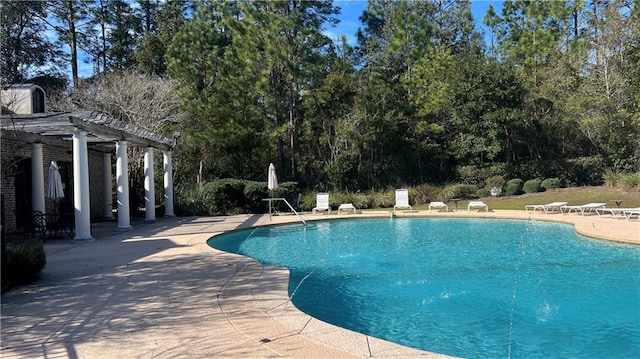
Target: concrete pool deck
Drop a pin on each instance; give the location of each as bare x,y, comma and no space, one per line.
159,291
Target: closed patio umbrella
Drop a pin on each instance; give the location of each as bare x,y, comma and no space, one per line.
272,183
273,179
54,187
55,191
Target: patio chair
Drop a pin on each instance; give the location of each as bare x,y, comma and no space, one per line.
546,208
589,208
438,205
477,204
402,200
322,203
39,225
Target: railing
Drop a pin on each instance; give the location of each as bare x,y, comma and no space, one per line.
288,204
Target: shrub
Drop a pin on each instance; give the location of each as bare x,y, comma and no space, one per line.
477,175
384,199
494,181
426,193
550,183
470,174
540,168
223,196
253,193
308,201
532,186
360,201
288,190
461,190
483,192
585,170
189,201
612,178
25,261
513,187
631,182
230,196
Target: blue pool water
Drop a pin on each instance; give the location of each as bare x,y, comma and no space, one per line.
465,287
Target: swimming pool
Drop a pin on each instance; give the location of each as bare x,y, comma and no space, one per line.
476,288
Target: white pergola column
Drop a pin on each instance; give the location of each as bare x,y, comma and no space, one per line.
168,184
107,186
122,183
37,178
149,187
81,204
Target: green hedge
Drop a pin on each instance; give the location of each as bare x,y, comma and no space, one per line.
532,186
483,192
513,187
551,183
229,196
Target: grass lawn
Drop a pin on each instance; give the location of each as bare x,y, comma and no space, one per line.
574,195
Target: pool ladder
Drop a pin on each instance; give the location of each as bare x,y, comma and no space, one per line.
292,210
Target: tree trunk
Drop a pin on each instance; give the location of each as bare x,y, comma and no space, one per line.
73,44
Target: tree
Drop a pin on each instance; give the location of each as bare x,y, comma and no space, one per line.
492,20
396,48
161,24
68,14
603,104
134,98
284,39
24,47
327,154
530,34
125,27
225,127
94,39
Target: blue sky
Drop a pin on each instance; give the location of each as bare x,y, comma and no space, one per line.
352,9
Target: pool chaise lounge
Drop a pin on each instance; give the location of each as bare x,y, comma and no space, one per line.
546,208
477,204
438,205
631,213
589,208
347,207
614,212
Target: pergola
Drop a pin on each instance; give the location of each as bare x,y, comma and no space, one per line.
89,129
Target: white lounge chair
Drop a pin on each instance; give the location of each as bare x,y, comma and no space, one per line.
402,200
631,213
546,208
322,203
616,211
477,204
438,205
347,207
589,207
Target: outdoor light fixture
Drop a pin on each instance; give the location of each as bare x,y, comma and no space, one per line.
176,136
